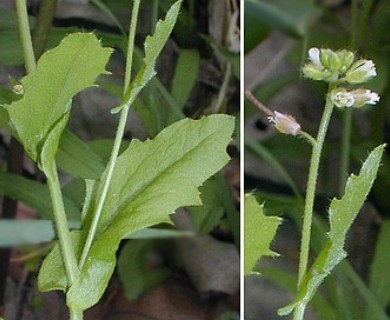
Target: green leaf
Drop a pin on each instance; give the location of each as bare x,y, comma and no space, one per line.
154,233
153,47
76,157
52,272
151,179
21,232
41,114
259,232
379,283
341,214
207,216
184,79
35,195
133,272
11,53
292,17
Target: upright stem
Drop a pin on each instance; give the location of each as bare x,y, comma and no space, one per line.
25,35
40,37
345,150
42,26
65,240
311,189
117,140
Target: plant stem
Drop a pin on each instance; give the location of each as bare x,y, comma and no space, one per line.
130,45
118,138
345,150
65,240
25,35
154,14
75,315
42,26
310,194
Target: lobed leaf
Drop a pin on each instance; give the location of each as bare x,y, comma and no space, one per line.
207,216
41,114
259,232
342,213
153,47
151,179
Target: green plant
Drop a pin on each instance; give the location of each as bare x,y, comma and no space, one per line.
342,71
138,188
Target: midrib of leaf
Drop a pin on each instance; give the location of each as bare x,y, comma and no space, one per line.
148,184
67,79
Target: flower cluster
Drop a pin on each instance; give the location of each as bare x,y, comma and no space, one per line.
340,67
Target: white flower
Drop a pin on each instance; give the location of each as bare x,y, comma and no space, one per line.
363,97
342,98
285,123
361,71
355,98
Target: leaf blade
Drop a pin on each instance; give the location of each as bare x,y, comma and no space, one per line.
255,224
153,47
49,89
342,213
154,177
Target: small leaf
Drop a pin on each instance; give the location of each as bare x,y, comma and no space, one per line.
60,74
259,232
153,47
342,213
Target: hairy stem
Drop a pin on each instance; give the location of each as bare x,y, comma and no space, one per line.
345,150
118,138
310,194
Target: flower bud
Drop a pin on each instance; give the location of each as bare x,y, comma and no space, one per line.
327,65
361,71
346,58
334,63
18,89
285,123
311,71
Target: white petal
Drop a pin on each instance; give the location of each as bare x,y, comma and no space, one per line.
314,56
